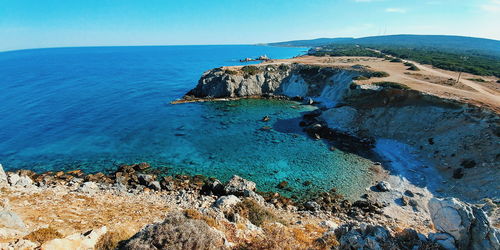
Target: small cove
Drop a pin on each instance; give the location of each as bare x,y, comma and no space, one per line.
96,108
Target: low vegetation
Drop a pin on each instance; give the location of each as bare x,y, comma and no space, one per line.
467,61
254,212
393,85
360,78
281,237
344,50
230,72
396,60
43,235
477,79
250,70
473,63
379,74
112,239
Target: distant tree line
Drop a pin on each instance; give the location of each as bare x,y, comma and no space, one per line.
470,62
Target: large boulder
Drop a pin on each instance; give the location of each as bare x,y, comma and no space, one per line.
238,186
11,224
225,202
3,177
77,241
468,225
177,232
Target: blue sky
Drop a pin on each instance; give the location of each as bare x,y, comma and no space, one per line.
56,23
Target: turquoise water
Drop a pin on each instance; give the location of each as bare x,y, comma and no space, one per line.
96,108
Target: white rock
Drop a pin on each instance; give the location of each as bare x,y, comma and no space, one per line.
3,177
13,178
18,245
257,197
328,224
89,187
11,225
445,240
225,202
238,185
83,241
468,225
24,181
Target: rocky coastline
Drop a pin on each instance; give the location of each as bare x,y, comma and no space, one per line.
227,215
427,145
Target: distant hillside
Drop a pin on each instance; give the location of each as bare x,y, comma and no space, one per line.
450,43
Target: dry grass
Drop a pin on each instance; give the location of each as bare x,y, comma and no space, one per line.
111,240
281,237
194,214
43,235
254,212
73,213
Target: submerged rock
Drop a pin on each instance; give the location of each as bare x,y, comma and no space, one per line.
468,225
383,186
458,173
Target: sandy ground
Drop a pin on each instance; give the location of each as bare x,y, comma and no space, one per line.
429,80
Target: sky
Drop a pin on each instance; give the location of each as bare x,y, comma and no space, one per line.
61,23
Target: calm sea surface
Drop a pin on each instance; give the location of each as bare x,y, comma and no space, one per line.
96,108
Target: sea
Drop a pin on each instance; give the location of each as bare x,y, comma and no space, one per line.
95,108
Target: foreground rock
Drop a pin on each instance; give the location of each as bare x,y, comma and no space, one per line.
11,225
177,232
468,225
3,177
239,186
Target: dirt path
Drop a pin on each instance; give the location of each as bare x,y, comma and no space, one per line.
428,79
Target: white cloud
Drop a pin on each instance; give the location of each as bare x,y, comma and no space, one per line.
493,6
395,10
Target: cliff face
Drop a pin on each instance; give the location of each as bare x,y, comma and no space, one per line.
290,80
461,141
458,139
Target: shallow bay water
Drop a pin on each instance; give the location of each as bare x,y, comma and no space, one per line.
96,108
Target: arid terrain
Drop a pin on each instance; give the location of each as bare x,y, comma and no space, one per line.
428,79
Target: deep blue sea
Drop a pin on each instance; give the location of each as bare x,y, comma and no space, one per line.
98,107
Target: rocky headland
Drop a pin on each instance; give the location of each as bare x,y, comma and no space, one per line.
430,146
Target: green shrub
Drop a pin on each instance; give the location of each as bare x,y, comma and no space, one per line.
396,60
393,85
230,72
477,79
379,74
414,68
360,78
250,70
283,67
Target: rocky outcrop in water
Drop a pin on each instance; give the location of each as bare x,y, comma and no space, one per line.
290,80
